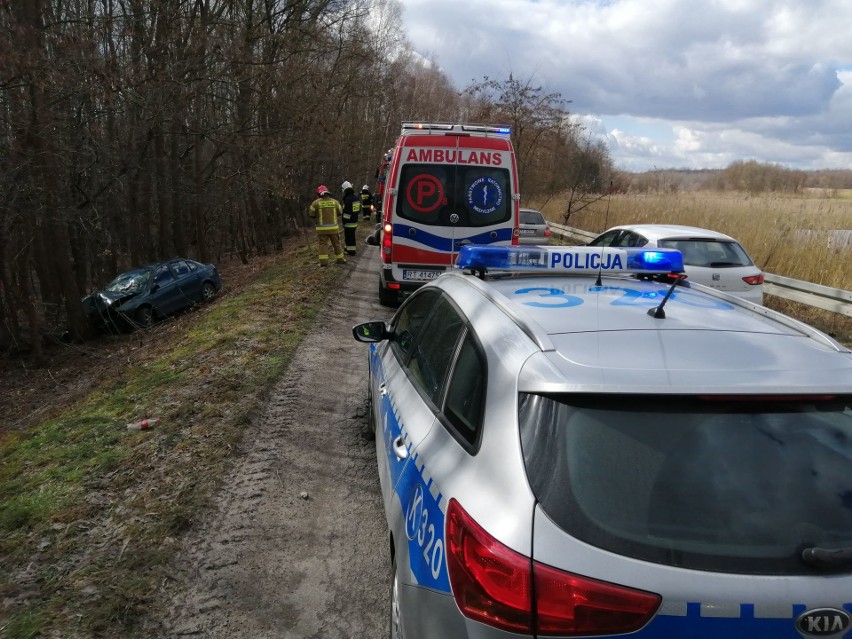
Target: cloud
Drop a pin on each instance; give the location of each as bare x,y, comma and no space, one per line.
770,73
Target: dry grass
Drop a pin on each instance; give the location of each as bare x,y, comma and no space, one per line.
799,237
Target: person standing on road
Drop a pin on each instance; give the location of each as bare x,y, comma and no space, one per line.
351,209
325,210
367,206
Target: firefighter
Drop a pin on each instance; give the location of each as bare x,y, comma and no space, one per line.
367,207
326,209
351,209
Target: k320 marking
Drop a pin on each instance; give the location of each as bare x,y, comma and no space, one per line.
424,527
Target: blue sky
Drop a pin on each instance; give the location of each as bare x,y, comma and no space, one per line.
667,83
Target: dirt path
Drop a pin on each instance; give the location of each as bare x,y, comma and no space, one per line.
296,543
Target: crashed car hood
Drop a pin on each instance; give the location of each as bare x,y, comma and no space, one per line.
114,298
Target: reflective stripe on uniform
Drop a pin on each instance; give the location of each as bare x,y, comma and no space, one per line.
325,210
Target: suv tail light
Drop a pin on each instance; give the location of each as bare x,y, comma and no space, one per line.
754,280
387,242
546,231
493,584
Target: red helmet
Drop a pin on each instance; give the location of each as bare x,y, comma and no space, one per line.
322,190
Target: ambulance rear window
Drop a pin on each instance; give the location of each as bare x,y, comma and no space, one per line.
432,193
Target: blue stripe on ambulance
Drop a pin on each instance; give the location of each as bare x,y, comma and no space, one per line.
746,621
441,243
422,503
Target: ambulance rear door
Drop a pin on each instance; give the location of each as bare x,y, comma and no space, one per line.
452,190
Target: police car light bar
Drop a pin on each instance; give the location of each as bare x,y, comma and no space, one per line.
580,260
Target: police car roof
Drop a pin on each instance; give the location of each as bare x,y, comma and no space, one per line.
602,339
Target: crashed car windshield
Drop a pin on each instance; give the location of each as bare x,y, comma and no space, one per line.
132,282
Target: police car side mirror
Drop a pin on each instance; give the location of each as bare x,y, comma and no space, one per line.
371,332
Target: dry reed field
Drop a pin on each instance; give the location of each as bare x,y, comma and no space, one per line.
806,237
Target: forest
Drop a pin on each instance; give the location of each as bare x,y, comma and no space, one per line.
138,130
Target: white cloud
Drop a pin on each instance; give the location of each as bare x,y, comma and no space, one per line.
769,77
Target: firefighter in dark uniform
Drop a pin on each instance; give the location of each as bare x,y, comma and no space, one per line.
367,207
325,210
351,210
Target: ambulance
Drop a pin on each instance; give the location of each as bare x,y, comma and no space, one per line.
448,186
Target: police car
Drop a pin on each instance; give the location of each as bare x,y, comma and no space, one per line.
570,446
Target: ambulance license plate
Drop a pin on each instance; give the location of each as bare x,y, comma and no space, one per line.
420,275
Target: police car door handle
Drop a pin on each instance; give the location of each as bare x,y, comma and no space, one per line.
400,449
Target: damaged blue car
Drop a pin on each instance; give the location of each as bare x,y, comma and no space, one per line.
137,298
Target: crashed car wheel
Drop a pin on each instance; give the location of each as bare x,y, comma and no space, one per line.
208,292
144,318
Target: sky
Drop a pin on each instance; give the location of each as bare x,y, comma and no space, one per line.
687,84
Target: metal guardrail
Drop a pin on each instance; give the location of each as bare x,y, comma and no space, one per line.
824,297
827,298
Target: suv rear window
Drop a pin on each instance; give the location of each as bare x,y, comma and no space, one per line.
531,217
431,193
709,253
739,485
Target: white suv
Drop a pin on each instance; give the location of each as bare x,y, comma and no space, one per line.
709,257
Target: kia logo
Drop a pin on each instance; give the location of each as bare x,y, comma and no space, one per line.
823,622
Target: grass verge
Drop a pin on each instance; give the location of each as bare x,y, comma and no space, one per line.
90,512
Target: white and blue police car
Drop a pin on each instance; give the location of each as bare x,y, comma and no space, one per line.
570,446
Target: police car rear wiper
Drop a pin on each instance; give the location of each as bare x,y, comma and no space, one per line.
828,557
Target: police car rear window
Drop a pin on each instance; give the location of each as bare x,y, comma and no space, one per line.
433,193
723,484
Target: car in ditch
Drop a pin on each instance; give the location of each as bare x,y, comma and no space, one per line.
569,446
139,297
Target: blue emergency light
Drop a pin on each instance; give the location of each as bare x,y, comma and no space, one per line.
587,260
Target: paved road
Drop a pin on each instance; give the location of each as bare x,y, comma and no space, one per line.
296,544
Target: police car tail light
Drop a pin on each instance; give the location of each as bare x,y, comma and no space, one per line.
754,280
491,583
586,260
570,605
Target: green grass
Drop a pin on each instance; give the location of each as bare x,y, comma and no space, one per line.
86,506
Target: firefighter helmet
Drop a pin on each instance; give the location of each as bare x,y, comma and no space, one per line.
346,185
365,188
322,190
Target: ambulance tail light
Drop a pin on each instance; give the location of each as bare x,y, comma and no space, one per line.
504,589
754,280
387,242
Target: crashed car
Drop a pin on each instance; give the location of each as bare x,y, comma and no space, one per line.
141,296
